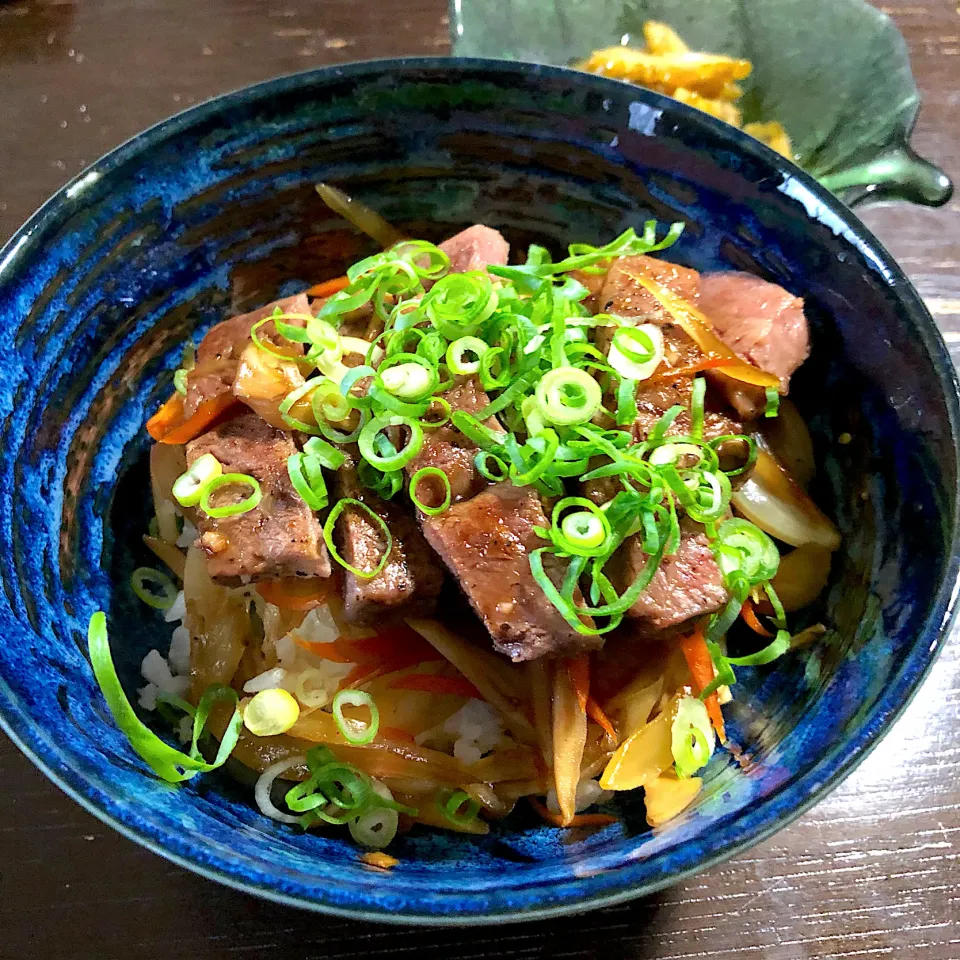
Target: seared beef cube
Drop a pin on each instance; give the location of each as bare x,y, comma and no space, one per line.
687,584
449,450
218,355
476,248
412,578
280,537
486,543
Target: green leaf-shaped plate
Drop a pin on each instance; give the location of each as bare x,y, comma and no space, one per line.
835,73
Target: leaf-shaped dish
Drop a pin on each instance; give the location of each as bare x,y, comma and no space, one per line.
835,73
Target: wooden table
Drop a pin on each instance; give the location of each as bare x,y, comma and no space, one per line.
873,870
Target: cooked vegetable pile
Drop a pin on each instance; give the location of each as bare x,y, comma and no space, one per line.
575,465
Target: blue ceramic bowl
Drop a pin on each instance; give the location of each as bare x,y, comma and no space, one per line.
213,211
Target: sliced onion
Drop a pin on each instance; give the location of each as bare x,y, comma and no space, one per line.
776,504
264,785
360,215
802,575
789,440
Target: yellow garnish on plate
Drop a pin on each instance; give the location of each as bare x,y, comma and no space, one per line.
707,81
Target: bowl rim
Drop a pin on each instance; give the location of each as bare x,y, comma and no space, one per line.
790,801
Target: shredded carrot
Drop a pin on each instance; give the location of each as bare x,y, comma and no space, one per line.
711,363
399,646
395,734
170,425
750,619
434,683
361,672
580,820
698,659
329,287
325,651
294,593
579,671
596,714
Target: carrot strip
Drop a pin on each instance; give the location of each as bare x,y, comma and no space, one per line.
750,619
329,287
435,683
361,672
170,425
579,670
580,820
698,659
325,651
293,593
712,363
596,714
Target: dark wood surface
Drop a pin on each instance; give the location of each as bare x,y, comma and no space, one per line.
874,870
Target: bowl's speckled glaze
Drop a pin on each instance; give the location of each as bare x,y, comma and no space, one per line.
213,210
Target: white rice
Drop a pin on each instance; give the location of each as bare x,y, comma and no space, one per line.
188,535
177,610
268,680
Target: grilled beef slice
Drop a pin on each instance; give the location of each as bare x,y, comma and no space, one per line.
686,585
412,578
218,355
280,537
486,543
449,450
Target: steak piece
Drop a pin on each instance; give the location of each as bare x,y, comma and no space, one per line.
686,585
219,352
449,450
759,320
280,537
486,543
622,296
412,578
476,248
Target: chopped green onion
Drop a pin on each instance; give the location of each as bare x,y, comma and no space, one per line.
636,352
356,732
456,351
376,828
398,459
230,509
743,550
459,808
772,407
776,648
460,302
270,713
409,381
325,453
691,737
697,397
385,485
490,466
307,479
568,395
166,762
153,587
328,528
188,487
415,481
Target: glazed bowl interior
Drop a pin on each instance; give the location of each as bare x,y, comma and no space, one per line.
214,212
